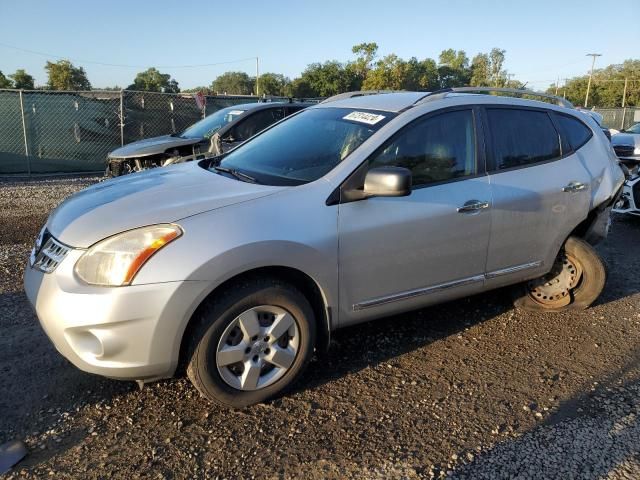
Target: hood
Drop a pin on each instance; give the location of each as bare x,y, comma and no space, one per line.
161,195
151,146
625,139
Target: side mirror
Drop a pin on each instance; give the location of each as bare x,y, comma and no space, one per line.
387,182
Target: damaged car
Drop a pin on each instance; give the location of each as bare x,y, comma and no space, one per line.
626,144
360,207
211,136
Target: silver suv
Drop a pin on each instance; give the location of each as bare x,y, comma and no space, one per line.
237,268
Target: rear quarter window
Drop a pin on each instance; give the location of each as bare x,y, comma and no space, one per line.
575,132
521,137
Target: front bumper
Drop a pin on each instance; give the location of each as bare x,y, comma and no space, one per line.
131,332
629,201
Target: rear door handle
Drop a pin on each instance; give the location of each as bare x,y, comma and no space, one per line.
574,187
473,206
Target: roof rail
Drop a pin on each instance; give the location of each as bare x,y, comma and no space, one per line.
514,92
356,93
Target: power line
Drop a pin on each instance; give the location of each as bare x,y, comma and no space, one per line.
120,65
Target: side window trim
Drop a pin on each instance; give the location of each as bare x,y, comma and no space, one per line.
248,118
563,134
478,146
356,177
492,167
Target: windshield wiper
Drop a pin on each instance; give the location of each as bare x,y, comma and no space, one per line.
239,175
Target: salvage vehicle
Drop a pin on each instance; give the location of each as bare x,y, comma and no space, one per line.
360,207
626,144
213,135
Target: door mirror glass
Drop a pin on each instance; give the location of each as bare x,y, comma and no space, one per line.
387,182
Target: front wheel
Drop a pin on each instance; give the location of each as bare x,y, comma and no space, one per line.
576,280
251,343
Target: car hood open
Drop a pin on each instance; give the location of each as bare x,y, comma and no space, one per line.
161,195
152,146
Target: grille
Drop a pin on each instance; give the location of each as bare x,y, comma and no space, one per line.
624,150
636,194
47,258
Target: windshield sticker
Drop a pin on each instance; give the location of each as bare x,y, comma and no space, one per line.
364,117
236,112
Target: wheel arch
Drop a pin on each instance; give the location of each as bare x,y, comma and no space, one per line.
301,280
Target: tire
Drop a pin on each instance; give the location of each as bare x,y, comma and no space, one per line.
593,276
221,316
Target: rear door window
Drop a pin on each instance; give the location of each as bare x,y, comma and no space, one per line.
521,137
257,122
575,132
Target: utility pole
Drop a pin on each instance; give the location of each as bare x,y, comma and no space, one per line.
593,55
564,89
557,85
624,102
257,78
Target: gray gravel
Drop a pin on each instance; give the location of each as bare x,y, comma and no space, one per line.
470,389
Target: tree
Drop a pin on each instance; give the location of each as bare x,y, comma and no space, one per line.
204,90
497,76
233,83
63,75
607,87
480,71
5,82
365,54
151,80
453,69
22,79
326,79
273,84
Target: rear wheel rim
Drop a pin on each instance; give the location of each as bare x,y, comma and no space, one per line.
258,348
556,289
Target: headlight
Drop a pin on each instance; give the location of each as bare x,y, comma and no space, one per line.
116,260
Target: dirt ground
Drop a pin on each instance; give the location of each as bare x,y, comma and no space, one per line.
470,389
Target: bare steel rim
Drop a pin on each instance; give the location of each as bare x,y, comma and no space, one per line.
258,347
554,289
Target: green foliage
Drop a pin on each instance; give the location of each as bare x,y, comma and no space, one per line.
607,87
324,80
204,90
365,54
5,82
21,79
273,84
63,75
233,83
151,80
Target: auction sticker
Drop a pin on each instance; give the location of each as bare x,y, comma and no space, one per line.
364,117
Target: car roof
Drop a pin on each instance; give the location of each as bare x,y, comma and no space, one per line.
400,101
264,105
386,102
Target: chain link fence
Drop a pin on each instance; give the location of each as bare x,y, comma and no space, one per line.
64,132
45,131
619,118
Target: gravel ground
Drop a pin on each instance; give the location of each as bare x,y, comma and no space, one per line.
470,389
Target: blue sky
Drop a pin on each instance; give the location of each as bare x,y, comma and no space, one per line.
544,39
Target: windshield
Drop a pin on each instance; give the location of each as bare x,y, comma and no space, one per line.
306,146
633,128
211,124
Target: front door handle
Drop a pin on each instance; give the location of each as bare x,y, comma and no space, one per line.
574,187
473,206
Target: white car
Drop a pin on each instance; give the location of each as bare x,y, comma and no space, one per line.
626,144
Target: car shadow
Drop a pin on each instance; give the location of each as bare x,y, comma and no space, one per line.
372,343
39,386
591,435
